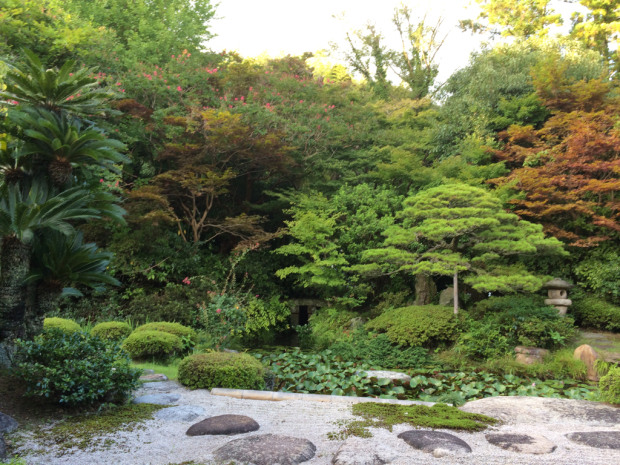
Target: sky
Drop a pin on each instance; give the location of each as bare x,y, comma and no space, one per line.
274,27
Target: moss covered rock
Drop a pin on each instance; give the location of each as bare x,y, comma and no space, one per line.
141,344
171,328
221,369
66,326
112,330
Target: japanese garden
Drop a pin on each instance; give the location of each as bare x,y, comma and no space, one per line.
335,257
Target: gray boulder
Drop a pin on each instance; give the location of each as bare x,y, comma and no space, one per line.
161,386
223,424
446,297
435,442
2,447
267,449
7,424
154,377
387,374
159,399
180,413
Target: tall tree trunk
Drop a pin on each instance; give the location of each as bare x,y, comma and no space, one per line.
425,289
456,292
15,262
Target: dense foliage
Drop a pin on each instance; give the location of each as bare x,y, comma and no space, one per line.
221,369
62,324
253,186
76,368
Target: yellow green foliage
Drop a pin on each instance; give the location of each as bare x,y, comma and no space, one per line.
66,326
142,344
418,325
221,369
171,328
111,330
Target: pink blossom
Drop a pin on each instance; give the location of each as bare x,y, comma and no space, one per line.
70,74
219,310
101,180
250,88
179,88
301,101
172,56
168,87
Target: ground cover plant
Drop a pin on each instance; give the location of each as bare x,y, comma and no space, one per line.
325,373
375,415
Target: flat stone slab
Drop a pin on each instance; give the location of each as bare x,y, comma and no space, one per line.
7,424
522,443
357,451
159,399
162,386
267,449
154,377
223,424
598,439
180,413
387,374
544,410
435,442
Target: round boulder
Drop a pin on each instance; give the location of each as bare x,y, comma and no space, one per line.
435,442
267,449
522,443
7,424
223,424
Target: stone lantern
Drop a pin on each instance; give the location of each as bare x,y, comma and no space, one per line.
557,290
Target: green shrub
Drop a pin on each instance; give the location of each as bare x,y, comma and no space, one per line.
513,307
177,329
141,344
378,350
111,330
329,325
75,368
64,325
609,385
424,325
501,323
221,369
597,313
484,341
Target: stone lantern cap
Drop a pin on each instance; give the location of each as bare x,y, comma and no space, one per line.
559,284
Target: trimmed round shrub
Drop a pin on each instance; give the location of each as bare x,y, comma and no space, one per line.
422,325
143,344
597,313
171,328
64,325
112,330
76,368
221,369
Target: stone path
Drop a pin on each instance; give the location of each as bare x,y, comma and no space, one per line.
533,431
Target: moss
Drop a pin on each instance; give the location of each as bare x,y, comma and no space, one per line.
66,326
376,415
88,431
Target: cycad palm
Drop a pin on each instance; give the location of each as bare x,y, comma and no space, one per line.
64,89
60,261
63,142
